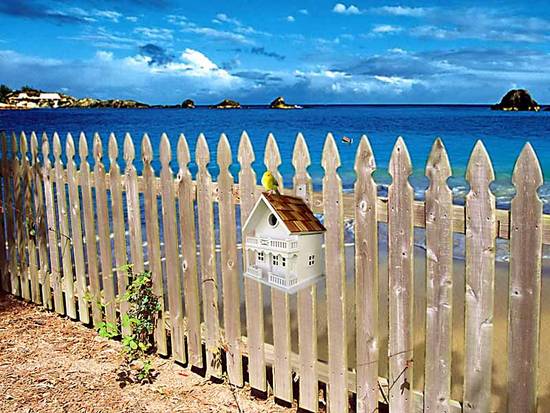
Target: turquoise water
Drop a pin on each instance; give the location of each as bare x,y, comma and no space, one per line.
503,133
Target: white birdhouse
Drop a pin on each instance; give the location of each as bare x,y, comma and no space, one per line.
283,243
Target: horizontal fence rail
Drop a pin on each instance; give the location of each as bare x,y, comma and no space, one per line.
68,229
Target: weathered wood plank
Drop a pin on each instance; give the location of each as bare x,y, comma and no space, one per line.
55,276
20,221
209,277
76,231
366,280
307,297
186,195
335,266
64,231
90,233
133,207
525,284
152,233
30,222
117,208
4,263
230,275
104,232
280,306
480,279
40,228
439,282
252,288
173,266
400,277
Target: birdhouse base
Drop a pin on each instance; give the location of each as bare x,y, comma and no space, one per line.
290,286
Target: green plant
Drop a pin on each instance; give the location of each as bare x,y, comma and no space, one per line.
4,92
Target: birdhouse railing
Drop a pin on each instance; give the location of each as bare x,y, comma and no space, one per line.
377,328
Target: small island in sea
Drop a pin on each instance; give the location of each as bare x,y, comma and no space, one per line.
517,100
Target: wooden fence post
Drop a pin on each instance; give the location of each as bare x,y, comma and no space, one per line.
171,252
64,232
252,289
480,279
307,297
525,284
117,208
152,233
230,275
400,276
186,195
89,227
76,231
209,276
55,277
40,226
4,262
19,207
335,265
366,279
439,282
104,232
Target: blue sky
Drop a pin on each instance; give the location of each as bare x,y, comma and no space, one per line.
315,51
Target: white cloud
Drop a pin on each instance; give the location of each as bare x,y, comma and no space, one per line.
403,11
303,11
386,29
290,19
112,15
104,55
343,9
152,33
224,18
132,19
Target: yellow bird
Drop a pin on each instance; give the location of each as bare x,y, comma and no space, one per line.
270,183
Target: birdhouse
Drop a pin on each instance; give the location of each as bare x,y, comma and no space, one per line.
283,243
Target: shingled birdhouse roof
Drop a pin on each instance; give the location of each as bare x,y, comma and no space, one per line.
292,211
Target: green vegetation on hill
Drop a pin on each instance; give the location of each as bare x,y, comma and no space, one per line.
4,92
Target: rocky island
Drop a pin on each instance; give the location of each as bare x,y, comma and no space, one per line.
279,103
227,104
188,104
517,100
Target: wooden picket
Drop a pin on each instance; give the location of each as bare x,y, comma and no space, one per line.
307,297
335,267
400,277
186,195
439,282
173,268
480,279
230,276
90,232
76,231
366,280
525,284
209,276
55,216
280,307
252,288
152,233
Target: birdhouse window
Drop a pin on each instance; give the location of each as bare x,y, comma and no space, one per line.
278,261
261,256
311,260
272,220
275,260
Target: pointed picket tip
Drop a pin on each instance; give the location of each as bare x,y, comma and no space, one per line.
13,145
83,147
69,146
479,160
129,150
34,145
45,147
98,147
331,157
300,155
438,164
56,146
184,156
272,156
165,150
245,154
113,148
202,152
146,149
224,152
24,146
527,170
400,160
364,159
